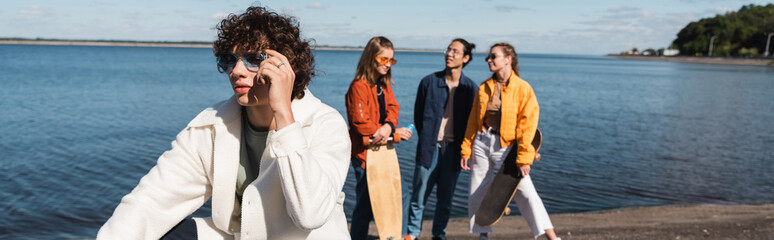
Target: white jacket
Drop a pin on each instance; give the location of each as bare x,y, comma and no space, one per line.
297,195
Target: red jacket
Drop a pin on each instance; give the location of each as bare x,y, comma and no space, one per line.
363,113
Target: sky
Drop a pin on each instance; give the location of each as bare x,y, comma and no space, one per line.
591,27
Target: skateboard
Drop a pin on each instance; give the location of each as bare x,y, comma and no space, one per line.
503,187
383,176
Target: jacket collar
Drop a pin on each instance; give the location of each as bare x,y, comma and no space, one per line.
491,82
220,114
229,110
441,76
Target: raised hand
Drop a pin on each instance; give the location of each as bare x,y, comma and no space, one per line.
278,74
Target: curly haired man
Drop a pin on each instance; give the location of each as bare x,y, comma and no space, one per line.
272,158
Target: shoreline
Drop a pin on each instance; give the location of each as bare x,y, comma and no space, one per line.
702,221
705,60
171,44
104,43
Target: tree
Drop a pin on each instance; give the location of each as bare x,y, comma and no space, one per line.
745,28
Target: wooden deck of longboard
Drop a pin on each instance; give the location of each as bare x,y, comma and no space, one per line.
503,187
383,176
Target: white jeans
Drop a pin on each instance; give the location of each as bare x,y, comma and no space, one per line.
487,154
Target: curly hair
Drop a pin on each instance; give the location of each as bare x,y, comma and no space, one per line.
259,29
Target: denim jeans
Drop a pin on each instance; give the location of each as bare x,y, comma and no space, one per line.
442,173
362,214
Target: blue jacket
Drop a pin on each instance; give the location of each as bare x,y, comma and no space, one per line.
432,94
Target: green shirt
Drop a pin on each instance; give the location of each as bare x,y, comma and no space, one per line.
252,146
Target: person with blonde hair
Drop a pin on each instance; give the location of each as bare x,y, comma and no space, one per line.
371,111
504,118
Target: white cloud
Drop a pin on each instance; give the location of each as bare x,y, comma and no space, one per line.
710,1
316,5
326,31
724,10
336,26
34,11
132,16
182,11
612,31
623,9
218,16
289,10
503,8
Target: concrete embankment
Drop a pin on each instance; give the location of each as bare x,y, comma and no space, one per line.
709,60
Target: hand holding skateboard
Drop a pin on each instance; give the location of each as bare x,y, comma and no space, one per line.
524,170
403,133
382,134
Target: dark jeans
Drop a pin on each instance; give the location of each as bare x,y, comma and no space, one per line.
184,230
443,174
362,214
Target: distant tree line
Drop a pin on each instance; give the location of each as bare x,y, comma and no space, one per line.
107,41
741,33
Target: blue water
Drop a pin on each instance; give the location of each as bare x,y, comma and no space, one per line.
80,125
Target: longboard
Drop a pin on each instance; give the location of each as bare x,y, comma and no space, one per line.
384,189
503,187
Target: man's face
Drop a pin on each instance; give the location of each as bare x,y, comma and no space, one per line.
244,82
455,56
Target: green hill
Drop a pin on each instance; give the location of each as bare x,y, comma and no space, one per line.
740,33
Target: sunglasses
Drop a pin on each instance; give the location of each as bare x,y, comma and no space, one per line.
252,60
490,56
384,61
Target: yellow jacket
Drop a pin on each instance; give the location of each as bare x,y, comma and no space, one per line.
519,119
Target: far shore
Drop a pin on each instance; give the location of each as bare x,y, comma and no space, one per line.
709,60
705,221
173,44
687,59
107,43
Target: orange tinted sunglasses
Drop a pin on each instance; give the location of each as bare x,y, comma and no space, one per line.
384,61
